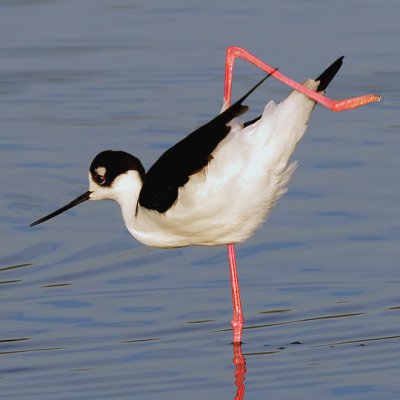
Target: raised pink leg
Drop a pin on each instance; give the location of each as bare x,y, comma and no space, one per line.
234,52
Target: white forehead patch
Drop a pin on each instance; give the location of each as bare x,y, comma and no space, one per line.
101,171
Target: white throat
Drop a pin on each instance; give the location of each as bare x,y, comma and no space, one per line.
124,190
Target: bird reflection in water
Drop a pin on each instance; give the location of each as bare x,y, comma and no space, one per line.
240,370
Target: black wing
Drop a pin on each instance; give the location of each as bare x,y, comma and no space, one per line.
173,169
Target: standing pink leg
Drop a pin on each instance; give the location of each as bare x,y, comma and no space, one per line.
234,52
237,320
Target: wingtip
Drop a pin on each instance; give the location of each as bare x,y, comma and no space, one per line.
326,77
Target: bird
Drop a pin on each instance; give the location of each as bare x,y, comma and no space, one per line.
217,185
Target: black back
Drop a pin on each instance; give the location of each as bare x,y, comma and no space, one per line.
173,169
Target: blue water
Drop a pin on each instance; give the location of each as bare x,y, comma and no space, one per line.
86,312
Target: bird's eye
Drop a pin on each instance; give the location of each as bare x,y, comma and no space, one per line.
100,179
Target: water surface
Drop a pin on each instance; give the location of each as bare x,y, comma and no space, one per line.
88,312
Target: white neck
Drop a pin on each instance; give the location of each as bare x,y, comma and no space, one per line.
126,189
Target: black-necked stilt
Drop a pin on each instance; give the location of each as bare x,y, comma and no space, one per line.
219,183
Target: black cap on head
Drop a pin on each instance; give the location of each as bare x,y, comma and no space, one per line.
109,164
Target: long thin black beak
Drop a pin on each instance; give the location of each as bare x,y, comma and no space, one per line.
83,197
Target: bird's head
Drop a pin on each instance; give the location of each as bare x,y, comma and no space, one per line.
113,175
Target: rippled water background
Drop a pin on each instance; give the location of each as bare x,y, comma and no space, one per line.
86,312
